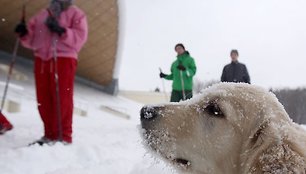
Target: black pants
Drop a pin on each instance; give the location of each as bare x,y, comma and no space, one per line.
177,96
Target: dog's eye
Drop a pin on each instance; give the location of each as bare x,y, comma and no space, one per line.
214,110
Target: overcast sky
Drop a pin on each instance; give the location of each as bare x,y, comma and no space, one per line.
270,36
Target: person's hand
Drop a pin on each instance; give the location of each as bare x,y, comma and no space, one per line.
21,29
54,26
162,75
181,67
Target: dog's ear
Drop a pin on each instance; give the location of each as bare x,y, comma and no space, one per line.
278,159
257,137
272,152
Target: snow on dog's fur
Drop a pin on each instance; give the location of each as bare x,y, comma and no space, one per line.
229,128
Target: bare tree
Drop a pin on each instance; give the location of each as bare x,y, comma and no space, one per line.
294,103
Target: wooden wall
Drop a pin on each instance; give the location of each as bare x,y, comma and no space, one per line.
97,58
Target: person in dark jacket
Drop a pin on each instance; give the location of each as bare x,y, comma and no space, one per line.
235,71
183,70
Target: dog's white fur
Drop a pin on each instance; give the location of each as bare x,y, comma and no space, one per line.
253,133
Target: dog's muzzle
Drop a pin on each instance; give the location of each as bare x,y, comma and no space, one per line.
150,116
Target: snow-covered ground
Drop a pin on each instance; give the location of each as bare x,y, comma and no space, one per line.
103,142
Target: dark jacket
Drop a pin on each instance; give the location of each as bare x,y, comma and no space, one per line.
235,72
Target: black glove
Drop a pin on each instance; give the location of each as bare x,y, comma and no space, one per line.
162,75
54,27
181,67
21,29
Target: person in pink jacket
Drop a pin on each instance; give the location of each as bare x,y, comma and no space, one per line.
56,35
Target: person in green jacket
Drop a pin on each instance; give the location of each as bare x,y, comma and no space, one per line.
182,71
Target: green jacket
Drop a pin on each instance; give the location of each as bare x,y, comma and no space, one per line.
188,62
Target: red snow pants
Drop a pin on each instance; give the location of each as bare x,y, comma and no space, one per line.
47,98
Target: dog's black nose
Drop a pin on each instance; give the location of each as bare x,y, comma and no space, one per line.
148,113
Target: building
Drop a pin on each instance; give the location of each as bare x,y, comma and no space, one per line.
98,61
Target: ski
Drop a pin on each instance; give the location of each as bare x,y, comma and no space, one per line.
119,112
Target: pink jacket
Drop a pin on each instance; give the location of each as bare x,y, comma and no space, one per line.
41,40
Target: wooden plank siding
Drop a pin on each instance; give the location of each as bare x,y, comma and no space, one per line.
97,58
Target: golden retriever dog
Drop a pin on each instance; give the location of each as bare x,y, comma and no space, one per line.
228,129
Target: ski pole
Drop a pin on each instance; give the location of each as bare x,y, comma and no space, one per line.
8,77
58,106
183,85
164,88
14,55
58,100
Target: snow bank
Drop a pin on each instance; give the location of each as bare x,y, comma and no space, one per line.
103,143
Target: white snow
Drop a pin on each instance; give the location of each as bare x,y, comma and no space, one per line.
12,86
103,143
